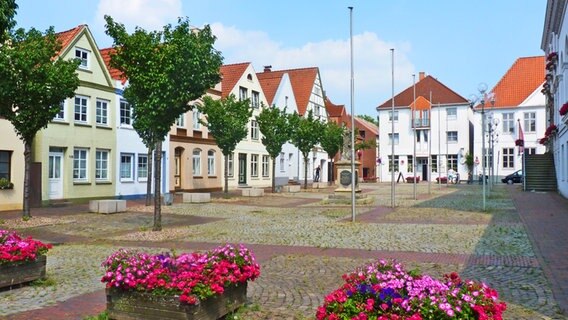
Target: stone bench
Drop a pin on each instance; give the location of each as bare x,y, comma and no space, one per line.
292,188
107,206
202,197
253,192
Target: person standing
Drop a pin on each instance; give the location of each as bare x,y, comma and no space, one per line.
317,177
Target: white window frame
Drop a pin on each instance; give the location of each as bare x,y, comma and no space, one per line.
452,113
529,121
508,158
396,163
230,164
126,167
452,136
282,162
142,167
125,113
509,123
254,130
452,161
395,116
81,109
265,165
101,117
196,162
211,163
83,56
243,93
196,116
60,116
254,165
255,99
80,164
396,138
434,163
102,165
180,121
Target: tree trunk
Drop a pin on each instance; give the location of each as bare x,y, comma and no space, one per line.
27,164
226,174
157,189
306,172
273,175
149,179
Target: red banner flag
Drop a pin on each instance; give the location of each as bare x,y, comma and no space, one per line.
521,139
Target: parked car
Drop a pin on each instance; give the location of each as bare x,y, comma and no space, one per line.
515,177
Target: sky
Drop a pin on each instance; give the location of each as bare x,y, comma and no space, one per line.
461,43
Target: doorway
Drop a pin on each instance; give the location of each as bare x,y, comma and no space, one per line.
423,163
55,175
242,168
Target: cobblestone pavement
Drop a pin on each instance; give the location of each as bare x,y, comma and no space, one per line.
303,247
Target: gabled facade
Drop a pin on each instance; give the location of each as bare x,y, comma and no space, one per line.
438,119
131,155
11,167
309,96
367,132
250,164
196,161
555,46
518,101
77,148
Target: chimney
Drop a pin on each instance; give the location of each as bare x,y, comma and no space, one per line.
267,68
421,75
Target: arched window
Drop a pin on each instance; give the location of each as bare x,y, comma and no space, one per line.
211,163
196,161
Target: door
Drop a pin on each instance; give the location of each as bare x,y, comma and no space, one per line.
55,175
177,170
242,168
423,163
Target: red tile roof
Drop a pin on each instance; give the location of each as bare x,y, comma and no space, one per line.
368,126
421,104
334,110
66,37
303,80
231,73
114,73
440,94
269,82
524,77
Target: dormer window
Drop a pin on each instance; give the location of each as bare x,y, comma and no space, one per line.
83,56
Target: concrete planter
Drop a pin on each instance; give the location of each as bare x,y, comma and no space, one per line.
22,272
140,305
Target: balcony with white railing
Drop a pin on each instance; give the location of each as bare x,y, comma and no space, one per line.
421,123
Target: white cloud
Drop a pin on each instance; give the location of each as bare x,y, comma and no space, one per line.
372,62
148,14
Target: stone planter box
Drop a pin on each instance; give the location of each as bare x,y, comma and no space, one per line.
107,206
127,305
22,272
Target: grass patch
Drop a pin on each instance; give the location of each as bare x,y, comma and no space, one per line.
43,283
101,316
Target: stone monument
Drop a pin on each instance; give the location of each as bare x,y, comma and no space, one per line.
344,170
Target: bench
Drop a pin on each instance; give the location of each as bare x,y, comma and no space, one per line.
202,197
253,192
107,206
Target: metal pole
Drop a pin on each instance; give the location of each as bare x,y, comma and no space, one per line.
430,147
353,172
392,131
414,136
483,145
439,149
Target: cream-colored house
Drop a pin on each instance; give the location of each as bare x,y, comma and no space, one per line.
76,150
195,160
250,164
11,167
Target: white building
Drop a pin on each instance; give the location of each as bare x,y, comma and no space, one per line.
517,100
555,45
441,119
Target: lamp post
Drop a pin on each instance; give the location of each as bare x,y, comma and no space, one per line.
483,96
353,172
493,136
392,130
414,136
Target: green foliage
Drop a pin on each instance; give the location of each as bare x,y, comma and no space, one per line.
332,138
275,127
368,118
7,13
32,84
226,120
469,161
43,283
306,134
101,316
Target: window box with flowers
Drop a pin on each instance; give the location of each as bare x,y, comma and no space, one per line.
543,140
21,259
5,184
520,143
551,130
564,112
167,286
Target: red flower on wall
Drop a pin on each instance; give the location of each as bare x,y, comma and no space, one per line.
564,109
550,130
519,143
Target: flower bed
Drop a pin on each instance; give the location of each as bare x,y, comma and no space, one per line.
21,259
384,290
411,179
444,180
190,278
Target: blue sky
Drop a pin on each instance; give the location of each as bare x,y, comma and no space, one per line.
461,43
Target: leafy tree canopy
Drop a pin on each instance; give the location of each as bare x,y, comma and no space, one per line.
275,128
332,138
7,12
368,118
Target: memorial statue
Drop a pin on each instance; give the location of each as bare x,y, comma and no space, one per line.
346,152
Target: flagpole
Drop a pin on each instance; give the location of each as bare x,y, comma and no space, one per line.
439,149
430,148
414,136
392,131
353,172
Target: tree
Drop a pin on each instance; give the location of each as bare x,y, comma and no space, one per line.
226,120
7,12
332,140
32,86
165,70
368,118
306,133
275,127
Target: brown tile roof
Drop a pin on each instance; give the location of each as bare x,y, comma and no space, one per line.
440,94
231,73
524,77
269,82
334,110
66,37
421,104
302,80
364,124
114,73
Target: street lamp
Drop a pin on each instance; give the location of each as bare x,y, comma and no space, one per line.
483,97
493,136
